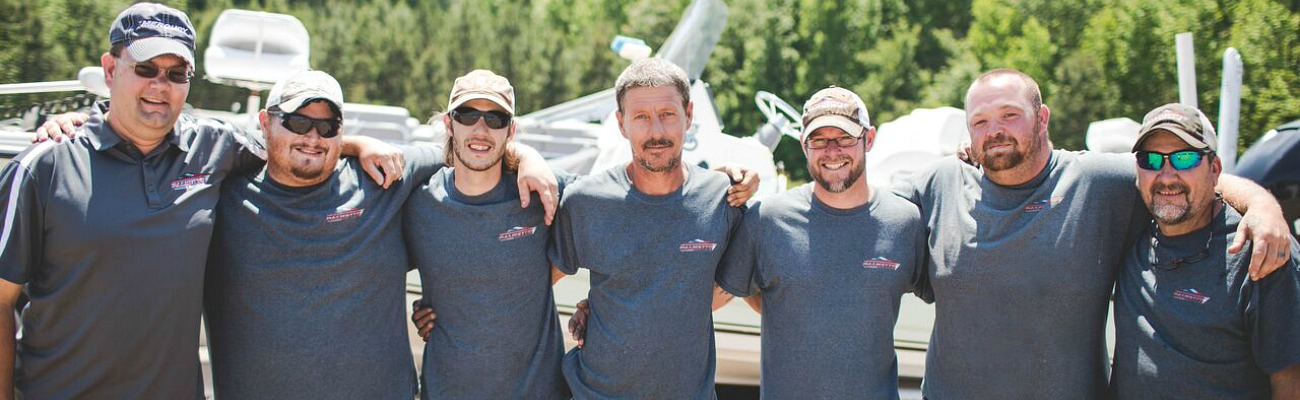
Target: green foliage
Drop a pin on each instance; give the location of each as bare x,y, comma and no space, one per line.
1095,59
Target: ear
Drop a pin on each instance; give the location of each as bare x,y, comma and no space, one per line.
619,115
1216,168
1044,115
869,136
108,62
446,121
690,112
510,134
264,121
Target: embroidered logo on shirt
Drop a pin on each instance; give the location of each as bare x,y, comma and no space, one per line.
1191,295
1043,204
697,245
345,214
517,232
880,263
189,181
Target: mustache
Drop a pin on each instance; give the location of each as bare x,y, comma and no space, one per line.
1175,186
656,143
999,140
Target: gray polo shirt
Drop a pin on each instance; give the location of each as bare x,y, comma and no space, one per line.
1021,276
1204,329
110,246
306,286
831,281
652,261
483,267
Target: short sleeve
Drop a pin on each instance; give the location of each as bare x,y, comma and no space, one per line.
21,240
561,250
1275,319
422,161
737,272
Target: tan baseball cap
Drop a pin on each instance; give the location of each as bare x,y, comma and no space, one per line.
290,94
1184,121
482,84
837,107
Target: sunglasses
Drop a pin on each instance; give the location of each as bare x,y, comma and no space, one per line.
180,74
301,124
821,143
1180,160
469,116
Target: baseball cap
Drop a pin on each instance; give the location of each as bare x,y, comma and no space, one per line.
482,84
150,30
300,88
1188,123
837,107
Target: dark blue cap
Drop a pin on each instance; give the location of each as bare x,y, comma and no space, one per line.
150,30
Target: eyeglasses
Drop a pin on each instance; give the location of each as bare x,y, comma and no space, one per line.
1177,262
468,116
821,143
180,74
1180,160
301,124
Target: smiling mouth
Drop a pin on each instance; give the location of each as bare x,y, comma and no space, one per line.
834,165
310,151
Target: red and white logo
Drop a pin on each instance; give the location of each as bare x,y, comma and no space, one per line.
345,214
697,245
516,233
1191,295
1043,204
880,263
189,181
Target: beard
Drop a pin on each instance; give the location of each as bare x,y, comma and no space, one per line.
1171,213
1016,157
856,169
668,165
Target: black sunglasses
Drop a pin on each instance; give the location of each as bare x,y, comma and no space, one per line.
1180,160
180,74
468,116
301,124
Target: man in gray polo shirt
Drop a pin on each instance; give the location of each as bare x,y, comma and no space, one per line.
1188,323
830,262
306,277
1024,252
107,232
651,233
482,260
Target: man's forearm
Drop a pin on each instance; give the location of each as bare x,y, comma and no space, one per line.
8,348
1286,383
1244,195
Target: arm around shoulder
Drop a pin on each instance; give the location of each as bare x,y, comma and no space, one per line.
1262,223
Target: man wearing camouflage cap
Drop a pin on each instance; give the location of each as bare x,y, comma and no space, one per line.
827,264
1189,324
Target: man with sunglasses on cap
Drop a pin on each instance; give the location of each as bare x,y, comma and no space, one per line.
306,280
1189,323
1024,251
827,264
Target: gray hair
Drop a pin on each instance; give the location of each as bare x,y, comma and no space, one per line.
653,72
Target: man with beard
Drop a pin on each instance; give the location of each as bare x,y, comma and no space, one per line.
1024,252
307,270
1188,323
827,265
652,233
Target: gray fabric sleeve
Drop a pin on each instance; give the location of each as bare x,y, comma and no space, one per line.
21,241
561,250
251,155
737,273
1276,317
422,161
920,284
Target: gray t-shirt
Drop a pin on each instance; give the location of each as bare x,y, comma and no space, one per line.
306,286
831,282
110,245
652,261
482,262
1021,276
1204,329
